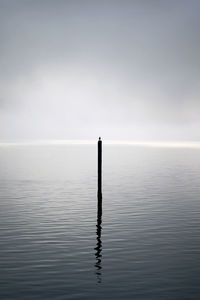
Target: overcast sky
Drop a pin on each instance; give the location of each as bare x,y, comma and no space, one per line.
122,69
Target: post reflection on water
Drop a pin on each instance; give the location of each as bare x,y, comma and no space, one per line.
98,248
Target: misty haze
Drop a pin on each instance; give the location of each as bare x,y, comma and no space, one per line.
72,69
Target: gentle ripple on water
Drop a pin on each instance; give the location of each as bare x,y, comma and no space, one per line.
146,244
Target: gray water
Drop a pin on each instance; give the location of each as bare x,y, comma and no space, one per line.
146,246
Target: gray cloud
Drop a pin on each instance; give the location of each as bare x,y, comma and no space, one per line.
125,69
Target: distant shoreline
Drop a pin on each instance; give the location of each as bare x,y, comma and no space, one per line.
158,144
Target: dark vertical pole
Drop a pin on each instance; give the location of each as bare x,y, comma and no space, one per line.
98,248
99,169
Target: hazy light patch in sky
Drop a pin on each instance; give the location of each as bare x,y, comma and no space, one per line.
126,70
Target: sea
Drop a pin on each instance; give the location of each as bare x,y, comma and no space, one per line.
56,244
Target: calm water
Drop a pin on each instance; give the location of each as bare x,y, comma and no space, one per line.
146,246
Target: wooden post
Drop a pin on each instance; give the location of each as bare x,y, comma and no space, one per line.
98,248
99,193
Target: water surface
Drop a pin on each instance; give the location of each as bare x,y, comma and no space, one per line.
145,245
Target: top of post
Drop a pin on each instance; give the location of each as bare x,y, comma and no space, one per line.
99,138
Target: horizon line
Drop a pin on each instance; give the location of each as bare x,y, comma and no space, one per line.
43,142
